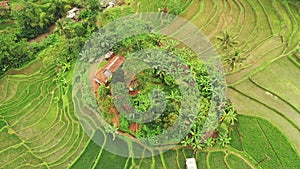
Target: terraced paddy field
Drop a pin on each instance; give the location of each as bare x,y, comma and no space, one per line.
39,128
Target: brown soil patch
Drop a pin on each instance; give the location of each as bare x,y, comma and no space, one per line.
134,93
211,134
115,120
41,37
134,127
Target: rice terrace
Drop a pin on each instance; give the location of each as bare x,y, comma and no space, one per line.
65,64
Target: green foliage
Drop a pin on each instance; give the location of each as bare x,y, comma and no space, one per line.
106,105
36,18
13,52
149,130
124,124
147,79
92,5
169,120
57,53
103,91
169,80
4,15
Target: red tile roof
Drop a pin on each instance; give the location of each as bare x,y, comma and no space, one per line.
113,65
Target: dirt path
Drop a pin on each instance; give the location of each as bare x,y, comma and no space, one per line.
241,157
115,120
41,37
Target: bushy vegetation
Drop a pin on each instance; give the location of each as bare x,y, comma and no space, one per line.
14,52
35,18
156,78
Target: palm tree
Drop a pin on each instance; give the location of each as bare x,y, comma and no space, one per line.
62,29
66,66
186,141
227,40
209,142
58,8
234,59
223,140
230,117
174,96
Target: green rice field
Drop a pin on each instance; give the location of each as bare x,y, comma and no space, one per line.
39,128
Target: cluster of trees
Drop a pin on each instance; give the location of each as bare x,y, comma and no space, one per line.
35,18
154,78
4,14
233,56
32,19
13,51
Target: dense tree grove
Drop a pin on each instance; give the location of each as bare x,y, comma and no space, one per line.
35,19
4,14
153,79
13,52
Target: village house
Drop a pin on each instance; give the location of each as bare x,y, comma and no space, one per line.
108,3
104,74
73,13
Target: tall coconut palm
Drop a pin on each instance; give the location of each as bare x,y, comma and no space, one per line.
227,40
234,59
62,29
230,117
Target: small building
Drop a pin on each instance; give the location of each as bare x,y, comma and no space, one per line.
4,4
72,14
104,74
106,3
110,5
191,163
108,55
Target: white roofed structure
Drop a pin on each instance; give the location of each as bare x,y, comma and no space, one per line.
191,163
